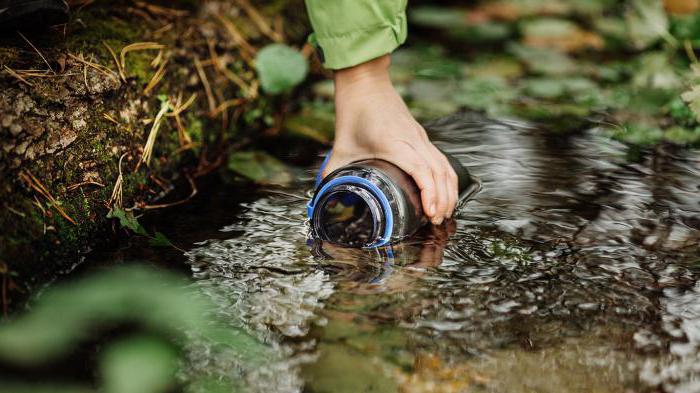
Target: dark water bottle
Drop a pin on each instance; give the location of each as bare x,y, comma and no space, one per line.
372,203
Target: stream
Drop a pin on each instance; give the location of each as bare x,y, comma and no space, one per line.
574,269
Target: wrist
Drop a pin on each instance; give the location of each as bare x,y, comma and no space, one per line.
373,73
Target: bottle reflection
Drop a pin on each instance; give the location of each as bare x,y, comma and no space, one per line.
393,268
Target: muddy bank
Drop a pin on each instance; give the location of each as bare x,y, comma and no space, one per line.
119,107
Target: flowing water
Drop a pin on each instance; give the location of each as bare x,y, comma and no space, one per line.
575,269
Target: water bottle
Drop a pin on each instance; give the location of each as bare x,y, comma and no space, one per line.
372,203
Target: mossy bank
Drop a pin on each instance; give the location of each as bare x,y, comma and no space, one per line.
117,107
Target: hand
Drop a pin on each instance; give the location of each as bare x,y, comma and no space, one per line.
372,121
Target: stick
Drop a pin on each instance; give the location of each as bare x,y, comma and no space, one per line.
37,51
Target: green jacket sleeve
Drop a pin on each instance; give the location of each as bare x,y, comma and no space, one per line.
350,32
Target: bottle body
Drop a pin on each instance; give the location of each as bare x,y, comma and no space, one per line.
371,203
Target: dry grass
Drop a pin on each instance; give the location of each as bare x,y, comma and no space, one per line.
34,183
150,142
37,51
116,199
157,77
137,46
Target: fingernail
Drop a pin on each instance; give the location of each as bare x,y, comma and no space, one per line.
437,220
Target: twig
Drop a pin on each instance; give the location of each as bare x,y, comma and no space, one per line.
207,87
157,77
120,70
16,75
98,67
35,184
138,46
235,79
260,21
247,52
227,104
115,200
85,183
180,202
151,141
37,51
15,211
110,118
160,10
690,52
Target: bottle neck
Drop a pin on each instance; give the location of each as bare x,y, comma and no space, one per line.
349,215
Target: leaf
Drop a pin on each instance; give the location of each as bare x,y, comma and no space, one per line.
559,34
260,167
655,72
280,68
647,23
489,94
692,98
68,313
160,240
438,17
127,220
544,61
550,88
638,134
140,364
682,136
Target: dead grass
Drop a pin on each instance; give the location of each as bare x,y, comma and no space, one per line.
34,183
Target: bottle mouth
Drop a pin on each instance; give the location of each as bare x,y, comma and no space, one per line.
348,215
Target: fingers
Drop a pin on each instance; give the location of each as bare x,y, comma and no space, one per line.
422,174
446,180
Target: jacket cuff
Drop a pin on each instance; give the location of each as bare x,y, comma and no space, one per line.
359,46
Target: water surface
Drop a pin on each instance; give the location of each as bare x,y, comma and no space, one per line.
574,269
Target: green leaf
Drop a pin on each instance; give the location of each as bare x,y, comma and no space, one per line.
638,134
260,167
68,313
692,98
682,136
488,94
160,240
140,364
548,27
127,220
438,17
647,23
280,68
655,72
544,61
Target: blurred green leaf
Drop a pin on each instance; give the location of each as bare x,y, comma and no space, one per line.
692,98
682,135
438,17
139,365
551,88
655,71
647,23
638,134
280,68
544,61
499,66
687,27
69,313
489,94
260,167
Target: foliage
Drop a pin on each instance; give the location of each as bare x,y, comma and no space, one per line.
128,221
280,68
174,316
259,167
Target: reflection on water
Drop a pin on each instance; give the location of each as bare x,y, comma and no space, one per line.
574,269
